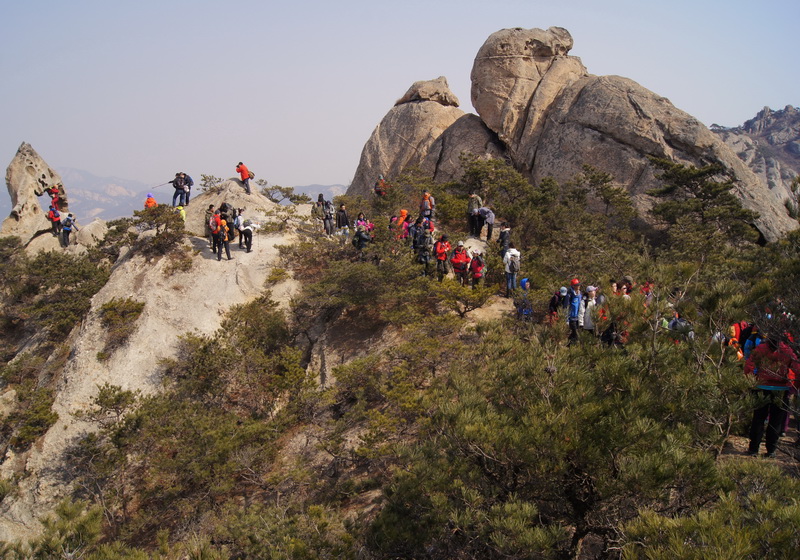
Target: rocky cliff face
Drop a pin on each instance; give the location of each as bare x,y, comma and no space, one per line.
541,109
175,303
769,144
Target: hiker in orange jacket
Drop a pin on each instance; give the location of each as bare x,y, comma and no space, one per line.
244,173
150,202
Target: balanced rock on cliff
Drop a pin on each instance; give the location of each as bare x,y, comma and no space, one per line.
28,177
406,133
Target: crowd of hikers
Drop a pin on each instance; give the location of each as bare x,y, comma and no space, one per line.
223,225
61,225
584,312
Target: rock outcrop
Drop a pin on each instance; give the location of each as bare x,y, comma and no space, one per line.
406,133
540,108
769,144
28,177
516,76
467,135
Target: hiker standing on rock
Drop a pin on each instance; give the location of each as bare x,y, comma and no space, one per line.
245,174
187,187
318,211
224,240
180,193
66,228
342,221
473,204
209,232
511,263
55,218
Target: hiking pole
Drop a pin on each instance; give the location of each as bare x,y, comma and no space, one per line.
161,185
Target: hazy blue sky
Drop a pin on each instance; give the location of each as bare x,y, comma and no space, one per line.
142,89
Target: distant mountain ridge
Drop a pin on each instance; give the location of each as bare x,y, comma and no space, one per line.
769,144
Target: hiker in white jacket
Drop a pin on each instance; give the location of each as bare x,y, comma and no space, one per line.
511,261
588,303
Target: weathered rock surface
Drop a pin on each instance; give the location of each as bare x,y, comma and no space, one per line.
430,90
467,135
613,123
516,75
27,178
175,303
406,133
769,144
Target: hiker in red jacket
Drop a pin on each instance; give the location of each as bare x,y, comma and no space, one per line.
440,250
774,364
460,261
244,173
55,218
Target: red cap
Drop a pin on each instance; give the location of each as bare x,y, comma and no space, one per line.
575,282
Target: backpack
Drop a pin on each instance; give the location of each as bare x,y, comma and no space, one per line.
247,223
250,174
68,222
212,224
513,264
56,215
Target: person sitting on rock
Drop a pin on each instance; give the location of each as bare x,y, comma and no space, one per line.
150,202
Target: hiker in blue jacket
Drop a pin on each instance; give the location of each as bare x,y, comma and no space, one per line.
572,304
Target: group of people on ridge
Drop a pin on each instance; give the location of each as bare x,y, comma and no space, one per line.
225,224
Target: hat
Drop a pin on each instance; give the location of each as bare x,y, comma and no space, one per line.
591,289
627,279
563,290
149,195
445,238
460,243
575,282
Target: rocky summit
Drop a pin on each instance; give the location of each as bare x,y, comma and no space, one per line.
769,144
542,110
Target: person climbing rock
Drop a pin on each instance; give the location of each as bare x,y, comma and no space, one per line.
245,175
67,225
55,219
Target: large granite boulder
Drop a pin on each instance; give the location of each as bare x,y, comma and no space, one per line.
406,133
516,75
613,123
468,135
28,177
